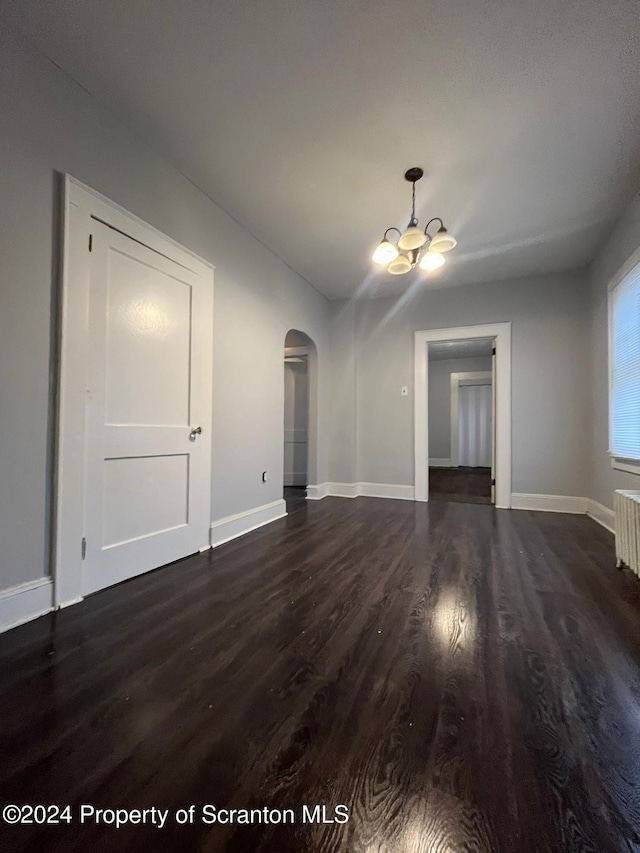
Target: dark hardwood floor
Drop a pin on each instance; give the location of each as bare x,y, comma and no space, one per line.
462,485
461,678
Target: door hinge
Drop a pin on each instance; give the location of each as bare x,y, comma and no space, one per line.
84,548
493,351
493,482
91,242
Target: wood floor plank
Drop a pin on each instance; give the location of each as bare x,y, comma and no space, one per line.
461,678
462,485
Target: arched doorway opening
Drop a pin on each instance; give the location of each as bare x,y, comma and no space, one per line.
300,416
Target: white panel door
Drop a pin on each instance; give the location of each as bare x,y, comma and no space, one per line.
147,472
474,426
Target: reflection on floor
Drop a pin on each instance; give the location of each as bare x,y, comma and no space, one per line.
463,485
460,677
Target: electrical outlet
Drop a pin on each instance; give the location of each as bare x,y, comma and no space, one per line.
264,476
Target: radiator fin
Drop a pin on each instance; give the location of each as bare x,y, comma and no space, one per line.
626,505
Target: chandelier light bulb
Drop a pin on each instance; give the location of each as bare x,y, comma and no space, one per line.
401,265
385,253
443,241
413,238
431,261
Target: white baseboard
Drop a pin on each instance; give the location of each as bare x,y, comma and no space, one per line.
440,463
602,514
334,490
538,503
354,490
549,503
236,525
77,600
386,490
343,490
25,602
317,492
559,503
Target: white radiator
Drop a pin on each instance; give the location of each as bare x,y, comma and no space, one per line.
626,505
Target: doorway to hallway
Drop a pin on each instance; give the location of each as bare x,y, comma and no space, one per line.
501,380
461,419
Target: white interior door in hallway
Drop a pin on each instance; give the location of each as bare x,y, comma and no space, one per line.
148,411
475,405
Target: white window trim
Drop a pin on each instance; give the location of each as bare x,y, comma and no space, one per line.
631,466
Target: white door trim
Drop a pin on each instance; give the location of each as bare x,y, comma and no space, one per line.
81,205
458,379
502,334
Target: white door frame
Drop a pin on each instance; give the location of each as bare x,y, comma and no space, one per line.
458,379
502,334
81,206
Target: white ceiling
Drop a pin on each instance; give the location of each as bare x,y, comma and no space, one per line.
299,117
472,348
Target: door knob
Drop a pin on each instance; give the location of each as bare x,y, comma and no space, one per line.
195,432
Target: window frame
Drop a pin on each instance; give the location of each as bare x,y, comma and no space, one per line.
620,463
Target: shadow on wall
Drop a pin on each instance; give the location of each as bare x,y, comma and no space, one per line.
300,409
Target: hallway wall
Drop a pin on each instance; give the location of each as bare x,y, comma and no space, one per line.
50,126
440,371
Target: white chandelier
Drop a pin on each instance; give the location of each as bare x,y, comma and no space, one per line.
415,247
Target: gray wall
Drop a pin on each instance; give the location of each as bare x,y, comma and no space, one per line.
50,126
341,413
623,242
440,371
550,361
